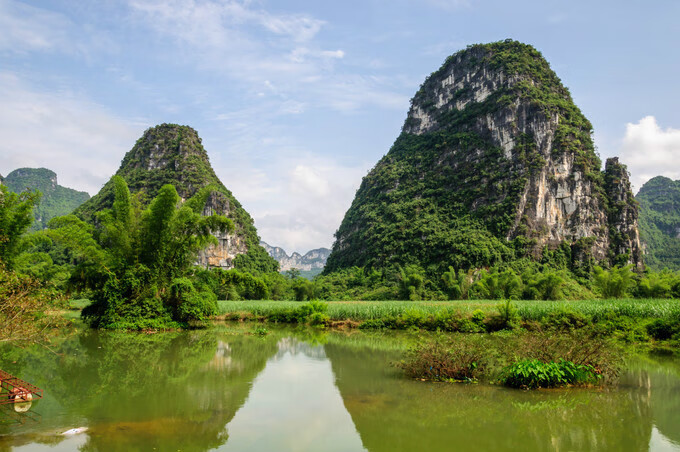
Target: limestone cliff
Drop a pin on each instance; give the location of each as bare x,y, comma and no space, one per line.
494,163
624,234
312,260
173,154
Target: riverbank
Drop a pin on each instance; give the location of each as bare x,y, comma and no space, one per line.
631,321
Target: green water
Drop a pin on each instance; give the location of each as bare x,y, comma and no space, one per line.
300,390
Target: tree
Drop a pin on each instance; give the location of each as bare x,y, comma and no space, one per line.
23,302
293,273
614,283
135,260
411,282
23,299
457,285
16,216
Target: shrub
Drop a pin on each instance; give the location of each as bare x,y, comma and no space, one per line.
566,320
190,305
443,360
319,319
478,317
532,374
372,324
507,317
663,329
304,289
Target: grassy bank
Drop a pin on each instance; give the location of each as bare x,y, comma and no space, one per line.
666,309
632,321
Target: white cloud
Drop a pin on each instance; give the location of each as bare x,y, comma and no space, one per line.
222,25
26,28
273,54
79,140
650,151
297,199
333,53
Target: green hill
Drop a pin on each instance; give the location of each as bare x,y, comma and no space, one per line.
174,154
659,200
55,201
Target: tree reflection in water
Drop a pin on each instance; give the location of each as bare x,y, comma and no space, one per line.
310,390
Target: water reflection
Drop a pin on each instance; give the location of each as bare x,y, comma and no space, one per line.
304,390
139,392
294,406
394,414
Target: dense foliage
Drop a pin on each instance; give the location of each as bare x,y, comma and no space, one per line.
15,219
23,300
135,261
533,374
659,200
55,201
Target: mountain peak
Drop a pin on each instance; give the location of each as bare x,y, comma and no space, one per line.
174,154
495,162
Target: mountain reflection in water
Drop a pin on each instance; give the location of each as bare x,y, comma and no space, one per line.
300,390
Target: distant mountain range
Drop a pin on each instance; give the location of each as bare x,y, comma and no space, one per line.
311,261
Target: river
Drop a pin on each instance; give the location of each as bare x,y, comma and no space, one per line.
228,389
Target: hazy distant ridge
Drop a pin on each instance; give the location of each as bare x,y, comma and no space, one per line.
314,259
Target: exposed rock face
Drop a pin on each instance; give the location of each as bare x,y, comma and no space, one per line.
55,200
659,200
492,144
314,259
624,234
173,154
228,245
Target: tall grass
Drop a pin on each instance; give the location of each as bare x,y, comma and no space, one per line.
528,310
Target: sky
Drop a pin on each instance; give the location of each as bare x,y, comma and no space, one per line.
296,100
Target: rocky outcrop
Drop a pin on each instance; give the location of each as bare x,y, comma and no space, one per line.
494,146
312,260
228,246
624,234
174,154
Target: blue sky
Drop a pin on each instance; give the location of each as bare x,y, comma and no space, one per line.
297,100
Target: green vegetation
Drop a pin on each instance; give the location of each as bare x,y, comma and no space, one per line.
55,201
15,219
659,200
533,374
628,321
544,358
173,154
441,360
24,301
136,262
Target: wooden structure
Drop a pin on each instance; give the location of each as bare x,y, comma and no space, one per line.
16,390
